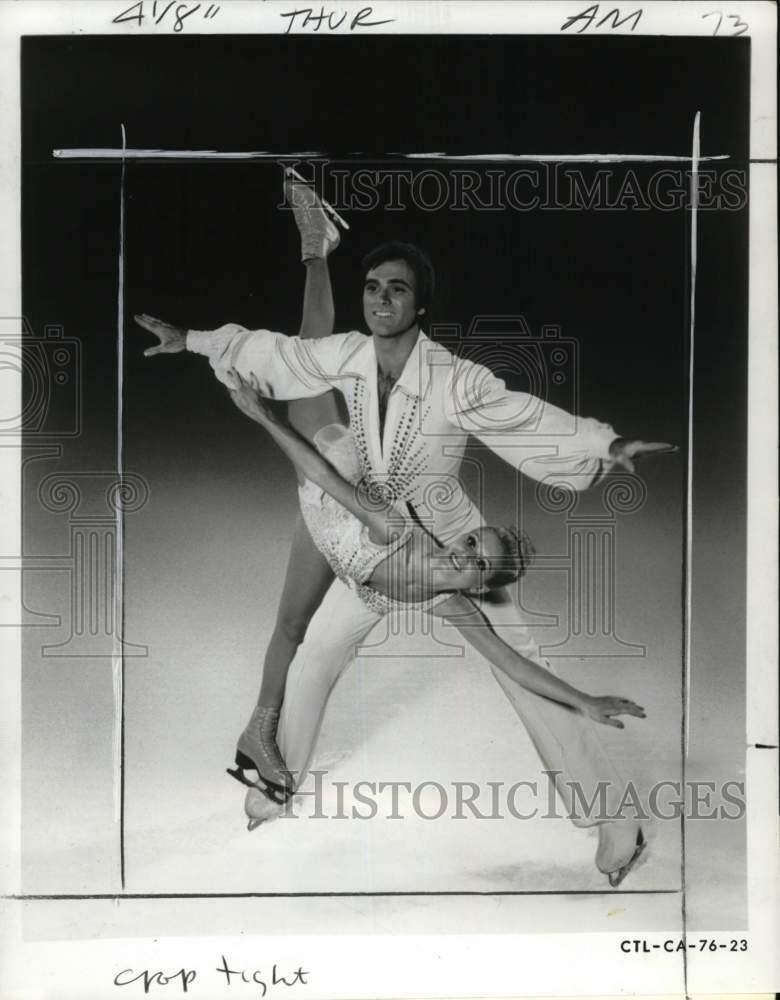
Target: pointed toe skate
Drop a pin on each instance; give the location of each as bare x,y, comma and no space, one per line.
618,875
319,235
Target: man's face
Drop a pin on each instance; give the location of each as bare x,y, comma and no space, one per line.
389,299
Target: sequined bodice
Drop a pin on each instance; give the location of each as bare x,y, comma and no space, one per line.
337,533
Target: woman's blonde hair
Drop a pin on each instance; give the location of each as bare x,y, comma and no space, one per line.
517,555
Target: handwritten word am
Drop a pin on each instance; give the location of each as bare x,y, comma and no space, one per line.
590,18
329,19
160,12
183,979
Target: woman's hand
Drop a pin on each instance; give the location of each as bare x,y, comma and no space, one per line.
172,338
603,709
249,397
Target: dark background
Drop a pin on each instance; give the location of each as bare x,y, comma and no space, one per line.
207,245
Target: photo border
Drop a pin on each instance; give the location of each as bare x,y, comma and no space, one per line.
443,965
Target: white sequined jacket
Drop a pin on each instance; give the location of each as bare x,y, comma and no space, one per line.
437,402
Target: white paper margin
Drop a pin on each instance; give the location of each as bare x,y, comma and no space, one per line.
399,965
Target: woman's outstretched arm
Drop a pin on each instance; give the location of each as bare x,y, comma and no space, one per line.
373,512
479,633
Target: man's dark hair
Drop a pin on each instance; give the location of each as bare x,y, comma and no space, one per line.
418,261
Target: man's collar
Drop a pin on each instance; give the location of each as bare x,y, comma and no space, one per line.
415,377
414,380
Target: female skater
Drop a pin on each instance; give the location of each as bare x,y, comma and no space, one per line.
393,563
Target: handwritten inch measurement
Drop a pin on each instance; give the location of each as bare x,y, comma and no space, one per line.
158,11
589,18
739,26
329,19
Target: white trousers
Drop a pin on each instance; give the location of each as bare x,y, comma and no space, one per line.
566,741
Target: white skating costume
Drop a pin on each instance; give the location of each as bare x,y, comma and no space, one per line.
340,536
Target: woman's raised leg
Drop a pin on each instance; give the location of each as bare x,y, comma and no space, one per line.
308,573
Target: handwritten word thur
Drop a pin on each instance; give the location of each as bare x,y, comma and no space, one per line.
156,12
329,19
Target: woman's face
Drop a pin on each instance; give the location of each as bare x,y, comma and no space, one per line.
469,561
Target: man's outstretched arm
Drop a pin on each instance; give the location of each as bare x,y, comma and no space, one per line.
293,368
541,440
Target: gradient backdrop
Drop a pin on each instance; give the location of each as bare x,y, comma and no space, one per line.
208,243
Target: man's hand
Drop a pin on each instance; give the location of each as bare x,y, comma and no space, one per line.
603,709
624,452
172,338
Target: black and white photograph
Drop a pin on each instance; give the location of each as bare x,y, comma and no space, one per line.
388,391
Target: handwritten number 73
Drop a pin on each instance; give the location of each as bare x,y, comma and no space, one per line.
740,26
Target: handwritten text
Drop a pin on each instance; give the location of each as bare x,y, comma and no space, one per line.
263,982
329,19
162,13
590,18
